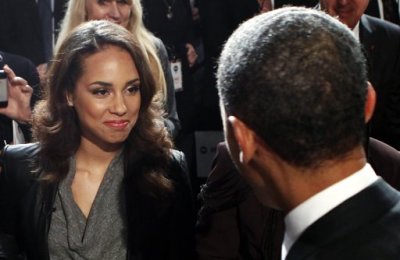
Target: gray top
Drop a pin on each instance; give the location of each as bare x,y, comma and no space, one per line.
103,234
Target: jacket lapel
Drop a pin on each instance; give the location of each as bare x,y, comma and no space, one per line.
368,42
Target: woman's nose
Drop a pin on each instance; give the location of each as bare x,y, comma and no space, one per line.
119,106
114,10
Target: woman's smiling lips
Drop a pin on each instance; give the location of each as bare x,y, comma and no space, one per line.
118,124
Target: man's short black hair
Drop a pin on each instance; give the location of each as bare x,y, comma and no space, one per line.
297,77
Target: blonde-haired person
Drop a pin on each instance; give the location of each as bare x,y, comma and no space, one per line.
128,13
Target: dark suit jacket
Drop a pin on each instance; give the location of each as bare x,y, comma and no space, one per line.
381,42
23,68
233,224
363,227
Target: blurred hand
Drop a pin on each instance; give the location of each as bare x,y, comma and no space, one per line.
19,98
191,54
195,13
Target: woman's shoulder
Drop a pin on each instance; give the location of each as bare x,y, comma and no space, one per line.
160,48
177,157
21,150
178,170
157,42
177,161
18,158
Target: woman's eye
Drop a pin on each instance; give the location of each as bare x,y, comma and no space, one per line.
133,89
100,92
122,2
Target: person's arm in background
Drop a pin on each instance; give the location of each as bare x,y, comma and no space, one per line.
217,232
190,44
19,98
232,223
385,160
30,74
171,118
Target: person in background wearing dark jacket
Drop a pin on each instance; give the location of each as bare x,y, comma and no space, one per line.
381,45
21,100
218,19
102,182
172,22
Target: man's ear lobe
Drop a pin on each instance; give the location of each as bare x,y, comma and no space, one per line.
245,139
369,103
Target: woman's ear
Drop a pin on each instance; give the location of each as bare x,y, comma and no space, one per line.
70,99
245,139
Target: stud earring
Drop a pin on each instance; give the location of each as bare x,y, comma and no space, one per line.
241,157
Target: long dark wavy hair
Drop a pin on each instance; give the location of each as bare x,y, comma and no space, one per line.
56,126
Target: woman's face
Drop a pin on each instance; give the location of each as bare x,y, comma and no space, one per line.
107,98
116,11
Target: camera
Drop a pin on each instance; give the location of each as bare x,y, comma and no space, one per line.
3,89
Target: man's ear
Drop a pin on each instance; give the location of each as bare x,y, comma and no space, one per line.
69,98
245,138
369,102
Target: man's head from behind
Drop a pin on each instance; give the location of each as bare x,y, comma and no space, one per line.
296,77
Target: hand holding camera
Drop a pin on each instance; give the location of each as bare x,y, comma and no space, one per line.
15,96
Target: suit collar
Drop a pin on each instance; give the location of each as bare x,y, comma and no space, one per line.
366,32
365,23
342,220
315,207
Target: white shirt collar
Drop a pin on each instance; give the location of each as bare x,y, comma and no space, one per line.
356,31
301,217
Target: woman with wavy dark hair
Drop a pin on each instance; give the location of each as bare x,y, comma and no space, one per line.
128,13
102,181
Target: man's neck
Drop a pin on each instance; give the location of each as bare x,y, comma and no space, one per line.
295,185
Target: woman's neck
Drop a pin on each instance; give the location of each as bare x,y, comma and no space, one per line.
92,156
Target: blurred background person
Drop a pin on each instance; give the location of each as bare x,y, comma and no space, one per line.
23,92
172,22
381,44
219,18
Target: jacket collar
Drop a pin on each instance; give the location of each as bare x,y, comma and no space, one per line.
342,220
